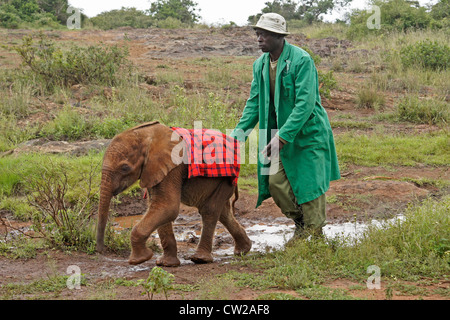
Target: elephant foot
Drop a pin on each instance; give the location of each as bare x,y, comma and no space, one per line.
243,248
139,256
202,257
166,261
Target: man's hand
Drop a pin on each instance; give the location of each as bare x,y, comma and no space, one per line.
274,147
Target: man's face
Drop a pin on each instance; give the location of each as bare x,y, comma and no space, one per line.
268,41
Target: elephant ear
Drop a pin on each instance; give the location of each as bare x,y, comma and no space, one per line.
159,142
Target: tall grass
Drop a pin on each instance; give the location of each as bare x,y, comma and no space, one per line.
428,111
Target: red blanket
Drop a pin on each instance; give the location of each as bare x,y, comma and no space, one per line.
210,153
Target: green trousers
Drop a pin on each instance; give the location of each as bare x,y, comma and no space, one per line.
309,217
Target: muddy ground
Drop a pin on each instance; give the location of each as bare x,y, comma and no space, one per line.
363,193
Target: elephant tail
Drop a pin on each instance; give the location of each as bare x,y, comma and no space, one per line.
236,197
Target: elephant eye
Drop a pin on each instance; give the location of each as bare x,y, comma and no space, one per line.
125,168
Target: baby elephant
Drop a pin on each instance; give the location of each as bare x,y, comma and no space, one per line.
146,153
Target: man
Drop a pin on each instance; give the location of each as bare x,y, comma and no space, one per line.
297,165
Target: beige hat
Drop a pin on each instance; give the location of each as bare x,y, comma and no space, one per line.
272,22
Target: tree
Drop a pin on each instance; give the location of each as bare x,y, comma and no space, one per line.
38,12
441,9
183,10
307,10
56,7
130,17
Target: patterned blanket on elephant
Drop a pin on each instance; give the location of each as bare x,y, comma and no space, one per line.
210,153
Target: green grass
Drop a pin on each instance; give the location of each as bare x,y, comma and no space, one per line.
409,250
53,284
15,170
427,111
377,149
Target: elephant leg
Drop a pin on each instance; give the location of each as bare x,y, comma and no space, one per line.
164,208
210,211
169,244
210,215
242,243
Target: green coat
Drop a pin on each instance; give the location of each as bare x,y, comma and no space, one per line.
309,157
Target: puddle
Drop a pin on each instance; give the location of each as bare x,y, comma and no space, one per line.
264,236
275,237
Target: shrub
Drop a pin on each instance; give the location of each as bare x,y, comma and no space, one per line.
426,54
9,19
33,13
125,17
78,65
170,23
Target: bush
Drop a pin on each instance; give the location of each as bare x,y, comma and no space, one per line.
426,54
46,20
78,65
125,17
170,23
33,13
8,19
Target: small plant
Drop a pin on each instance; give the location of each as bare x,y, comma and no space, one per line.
158,280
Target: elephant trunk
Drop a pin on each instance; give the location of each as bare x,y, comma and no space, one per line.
103,213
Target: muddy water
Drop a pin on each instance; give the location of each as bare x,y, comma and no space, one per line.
265,236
